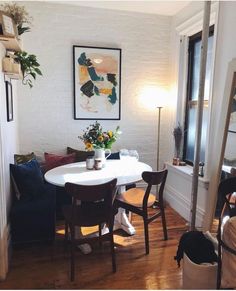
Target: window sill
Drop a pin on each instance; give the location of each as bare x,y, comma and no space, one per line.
187,173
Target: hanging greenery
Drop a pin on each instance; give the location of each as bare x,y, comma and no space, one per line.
29,67
28,62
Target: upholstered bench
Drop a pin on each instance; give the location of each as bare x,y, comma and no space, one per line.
32,214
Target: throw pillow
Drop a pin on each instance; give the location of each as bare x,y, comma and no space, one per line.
114,156
28,179
20,159
80,156
53,161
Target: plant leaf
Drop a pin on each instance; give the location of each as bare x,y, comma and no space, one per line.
37,70
33,75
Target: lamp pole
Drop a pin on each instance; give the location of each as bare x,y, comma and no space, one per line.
158,135
197,148
155,205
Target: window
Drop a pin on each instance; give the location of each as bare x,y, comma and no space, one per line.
192,95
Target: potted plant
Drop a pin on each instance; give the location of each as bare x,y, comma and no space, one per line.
19,15
29,66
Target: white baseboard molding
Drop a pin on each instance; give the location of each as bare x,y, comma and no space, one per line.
4,243
182,205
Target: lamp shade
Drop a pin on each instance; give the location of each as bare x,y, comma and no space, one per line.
152,97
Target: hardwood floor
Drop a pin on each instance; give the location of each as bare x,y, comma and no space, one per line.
41,266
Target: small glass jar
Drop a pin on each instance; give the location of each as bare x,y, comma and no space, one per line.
90,163
98,164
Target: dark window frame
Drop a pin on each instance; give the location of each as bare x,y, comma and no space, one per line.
192,41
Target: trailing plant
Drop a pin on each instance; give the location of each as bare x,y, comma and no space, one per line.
29,67
19,15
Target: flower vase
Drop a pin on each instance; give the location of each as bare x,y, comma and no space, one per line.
100,154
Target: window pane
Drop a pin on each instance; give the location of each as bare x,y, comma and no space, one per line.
191,134
196,69
208,68
192,98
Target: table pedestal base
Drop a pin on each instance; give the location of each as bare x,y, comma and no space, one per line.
122,222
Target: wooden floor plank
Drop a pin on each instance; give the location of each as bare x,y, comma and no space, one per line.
32,267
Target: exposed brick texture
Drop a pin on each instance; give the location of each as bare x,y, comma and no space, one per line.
46,111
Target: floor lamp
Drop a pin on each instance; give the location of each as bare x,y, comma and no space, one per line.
158,149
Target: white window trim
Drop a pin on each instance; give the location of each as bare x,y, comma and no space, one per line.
190,27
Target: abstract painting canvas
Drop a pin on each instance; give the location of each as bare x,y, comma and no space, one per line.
97,83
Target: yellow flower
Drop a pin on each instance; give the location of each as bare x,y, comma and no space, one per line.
88,146
110,133
100,138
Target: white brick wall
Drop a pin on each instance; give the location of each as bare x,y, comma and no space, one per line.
46,111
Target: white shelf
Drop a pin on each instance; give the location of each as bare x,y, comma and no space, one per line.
13,75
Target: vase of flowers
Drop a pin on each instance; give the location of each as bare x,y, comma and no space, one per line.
98,140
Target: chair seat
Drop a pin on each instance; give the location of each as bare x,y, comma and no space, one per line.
86,215
135,196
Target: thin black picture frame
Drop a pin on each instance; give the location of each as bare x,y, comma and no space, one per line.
9,100
76,111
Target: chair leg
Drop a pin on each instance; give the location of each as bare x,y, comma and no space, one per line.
218,283
66,236
146,235
72,249
100,235
112,246
53,247
113,255
163,218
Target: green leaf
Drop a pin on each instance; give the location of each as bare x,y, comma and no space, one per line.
37,70
33,75
22,30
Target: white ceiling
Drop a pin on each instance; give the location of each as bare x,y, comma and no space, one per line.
154,7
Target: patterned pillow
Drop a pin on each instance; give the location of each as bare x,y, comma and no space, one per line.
80,156
20,159
28,179
53,161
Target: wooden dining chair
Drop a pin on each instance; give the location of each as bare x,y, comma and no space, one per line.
91,206
138,201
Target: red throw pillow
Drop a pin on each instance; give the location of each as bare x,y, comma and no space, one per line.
53,161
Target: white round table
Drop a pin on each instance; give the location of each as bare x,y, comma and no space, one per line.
127,171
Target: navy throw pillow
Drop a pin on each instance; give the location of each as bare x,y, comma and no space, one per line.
114,156
28,178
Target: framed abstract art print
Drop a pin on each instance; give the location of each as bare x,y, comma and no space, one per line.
97,83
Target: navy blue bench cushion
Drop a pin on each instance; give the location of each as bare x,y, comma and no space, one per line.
34,220
28,179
